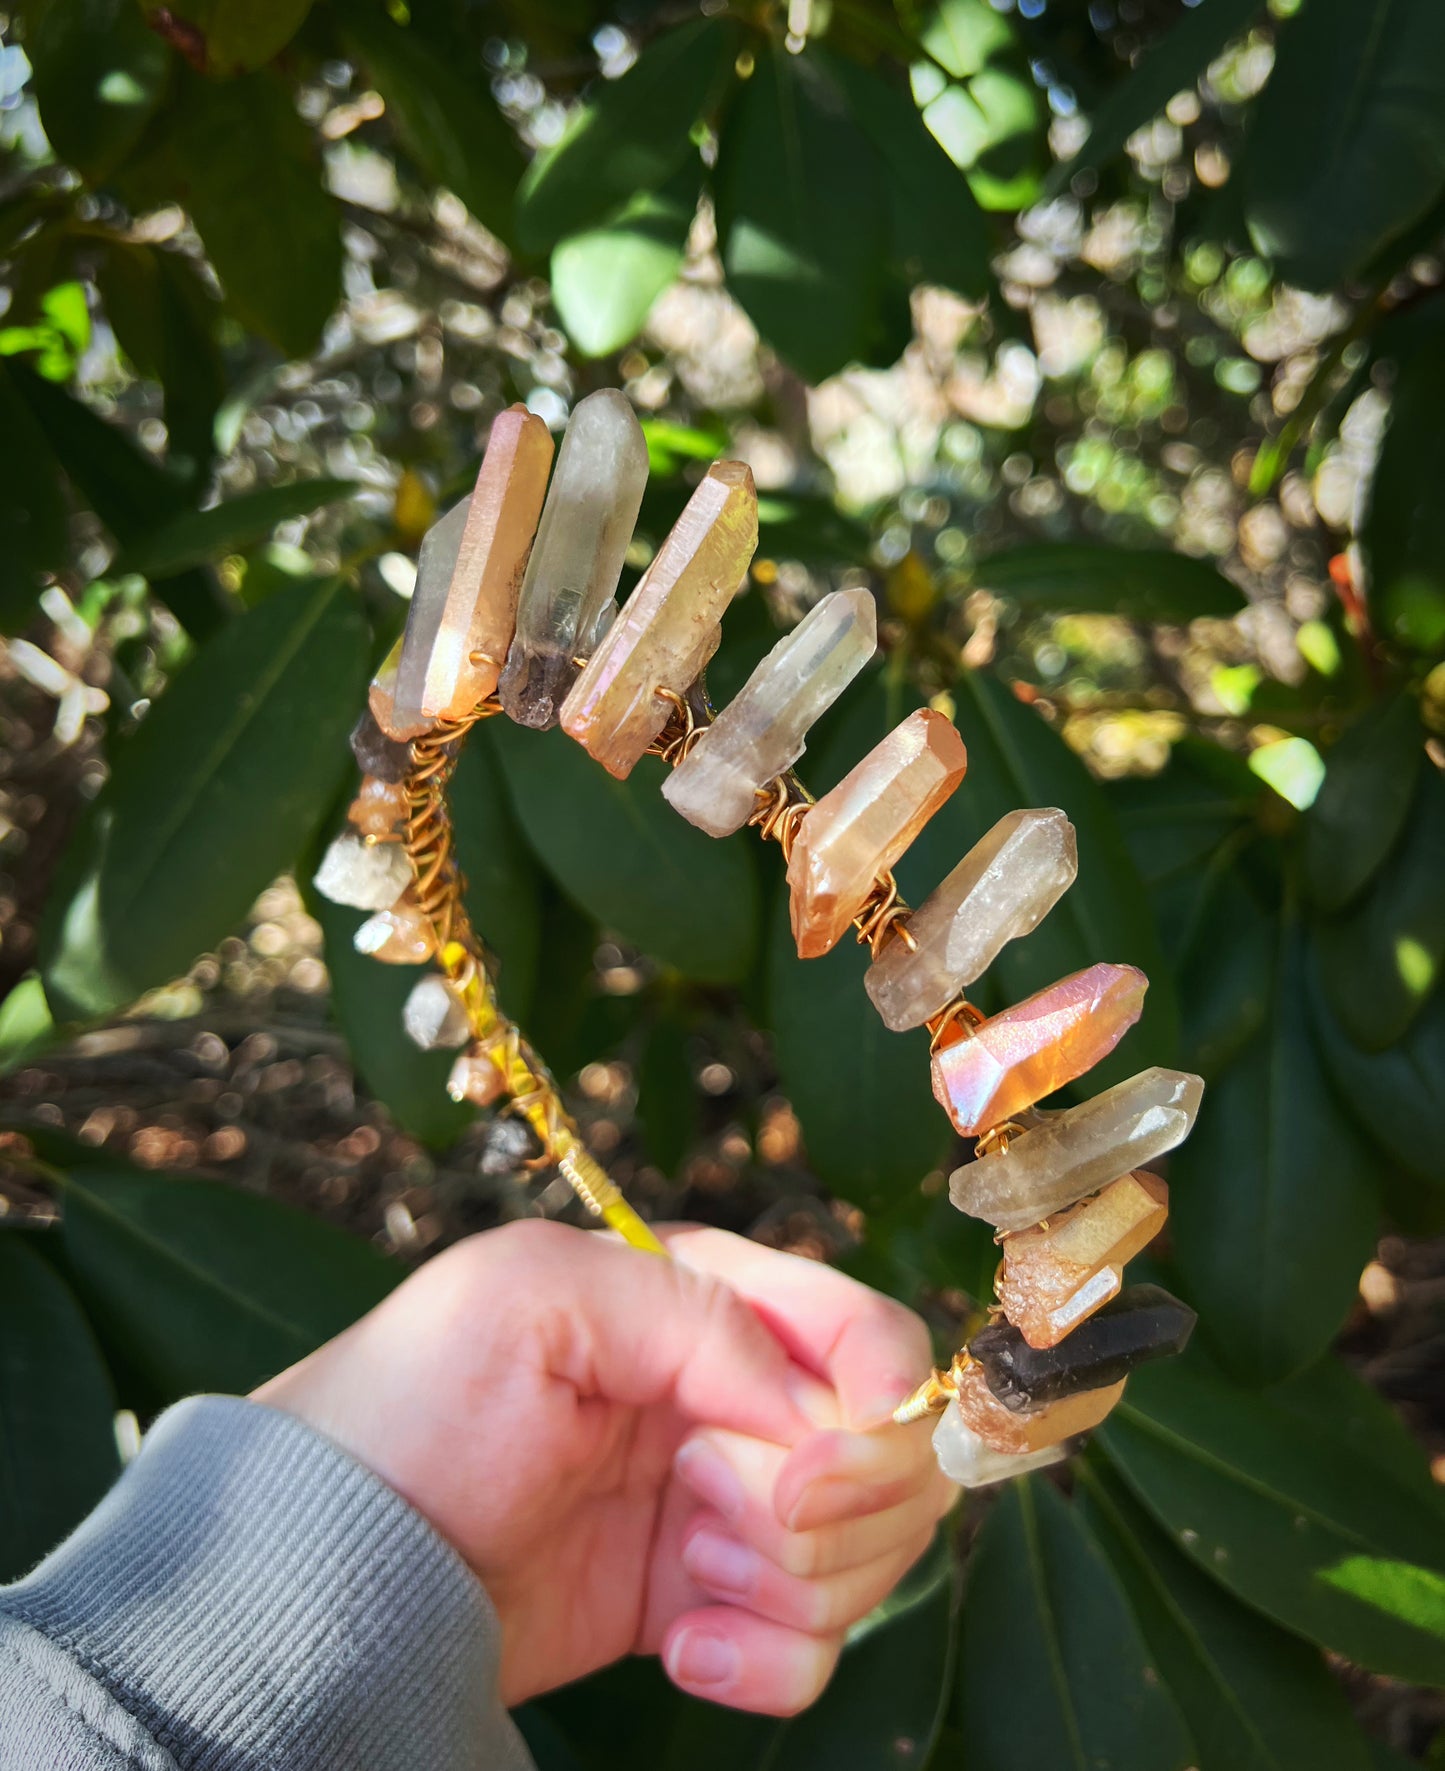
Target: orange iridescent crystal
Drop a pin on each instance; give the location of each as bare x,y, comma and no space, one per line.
670,625
1018,1433
1058,1273
983,1075
459,628
861,828
378,808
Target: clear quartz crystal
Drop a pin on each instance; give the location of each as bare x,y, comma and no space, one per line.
576,561
378,807
381,700
1079,1150
865,823
434,1015
763,729
363,875
436,566
964,1458
1003,887
670,625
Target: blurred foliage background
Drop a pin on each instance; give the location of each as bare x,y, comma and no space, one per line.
1106,344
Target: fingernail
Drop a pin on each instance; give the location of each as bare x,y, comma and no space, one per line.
828,1500
727,1568
698,1658
879,1411
711,1477
812,1397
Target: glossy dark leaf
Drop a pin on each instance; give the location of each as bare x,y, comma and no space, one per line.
1404,527
212,798
98,73
26,1024
1254,1697
1016,759
1381,960
1176,62
1174,821
628,136
202,536
1272,1503
444,115
1274,1196
125,489
225,37
33,517
1361,809
1146,584
802,212
871,1126
1223,950
57,1439
619,851
1347,145
238,157
1054,1672
605,279
503,883
194,1285
667,1095
938,232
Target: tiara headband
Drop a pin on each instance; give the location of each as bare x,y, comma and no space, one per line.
513,613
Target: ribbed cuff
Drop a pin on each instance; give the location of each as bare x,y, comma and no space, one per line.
254,1597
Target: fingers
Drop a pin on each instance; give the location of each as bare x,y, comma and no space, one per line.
871,1349
735,1657
726,1568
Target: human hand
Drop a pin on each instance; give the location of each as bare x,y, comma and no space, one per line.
645,1456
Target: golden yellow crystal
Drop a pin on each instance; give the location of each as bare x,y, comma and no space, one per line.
1059,1273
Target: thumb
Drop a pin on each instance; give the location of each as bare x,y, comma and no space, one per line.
642,1330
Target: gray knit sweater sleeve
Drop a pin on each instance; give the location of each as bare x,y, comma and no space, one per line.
248,1597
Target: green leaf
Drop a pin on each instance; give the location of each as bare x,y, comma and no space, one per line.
1380,960
1361,809
33,518
126,490
163,319
212,798
57,1443
605,280
1272,1503
992,121
1175,63
938,232
667,1095
1404,527
1347,145
802,215
237,156
1397,1095
628,136
1274,1197
223,37
26,1024
1223,959
1174,821
619,851
98,75
1254,1697
202,536
446,119
1054,1672
1145,584
195,1285
502,880
1016,759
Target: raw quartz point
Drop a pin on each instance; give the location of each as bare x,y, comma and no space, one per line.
378,808
376,755
763,730
964,1458
364,875
670,625
1057,1274
577,558
1079,1150
1020,1432
381,700
399,936
1002,888
1144,1322
861,828
985,1074
464,608
476,1078
434,1015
